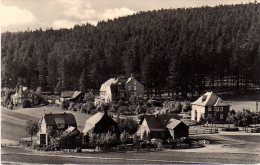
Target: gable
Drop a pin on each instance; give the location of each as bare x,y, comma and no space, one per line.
208,99
175,124
153,123
67,94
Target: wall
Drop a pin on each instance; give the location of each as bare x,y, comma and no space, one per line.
142,128
139,88
200,111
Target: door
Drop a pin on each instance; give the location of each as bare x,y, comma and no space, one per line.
42,138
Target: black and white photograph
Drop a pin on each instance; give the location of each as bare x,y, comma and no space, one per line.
130,82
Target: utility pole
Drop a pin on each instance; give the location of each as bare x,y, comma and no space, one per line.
256,106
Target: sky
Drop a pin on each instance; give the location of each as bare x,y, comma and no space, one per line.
20,15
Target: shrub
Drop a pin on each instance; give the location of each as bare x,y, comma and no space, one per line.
256,130
27,104
45,102
71,106
64,105
129,125
230,129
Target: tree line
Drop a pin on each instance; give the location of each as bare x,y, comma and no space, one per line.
185,50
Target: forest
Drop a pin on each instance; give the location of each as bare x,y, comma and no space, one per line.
184,50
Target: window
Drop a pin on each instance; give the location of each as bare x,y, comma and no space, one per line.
134,87
220,108
209,108
216,108
221,116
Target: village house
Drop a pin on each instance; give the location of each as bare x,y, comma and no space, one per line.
211,106
115,89
100,123
162,128
52,125
21,94
134,88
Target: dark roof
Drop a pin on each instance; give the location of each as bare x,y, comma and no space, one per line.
174,123
95,118
114,88
154,123
59,118
67,93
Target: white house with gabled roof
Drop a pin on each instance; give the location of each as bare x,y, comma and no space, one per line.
210,106
115,89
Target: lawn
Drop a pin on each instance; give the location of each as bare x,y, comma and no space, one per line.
39,111
13,121
247,138
240,105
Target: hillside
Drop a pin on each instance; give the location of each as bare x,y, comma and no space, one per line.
173,50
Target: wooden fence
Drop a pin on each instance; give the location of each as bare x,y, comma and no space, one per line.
195,131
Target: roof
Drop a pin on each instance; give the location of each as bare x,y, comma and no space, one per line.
67,93
76,94
108,83
154,123
220,102
59,118
129,79
95,118
173,123
208,99
92,121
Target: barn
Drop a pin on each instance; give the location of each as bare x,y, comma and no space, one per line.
177,129
100,123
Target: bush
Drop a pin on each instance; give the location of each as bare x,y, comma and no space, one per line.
71,106
256,130
64,105
27,104
45,102
230,129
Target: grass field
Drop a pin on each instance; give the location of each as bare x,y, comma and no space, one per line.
39,111
240,105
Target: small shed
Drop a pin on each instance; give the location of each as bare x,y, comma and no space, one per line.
177,129
153,126
100,123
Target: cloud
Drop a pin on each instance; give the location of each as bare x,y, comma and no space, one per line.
63,23
117,12
83,12
12,15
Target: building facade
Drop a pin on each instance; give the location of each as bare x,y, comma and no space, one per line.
210,106
53,124
153,126
116,89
